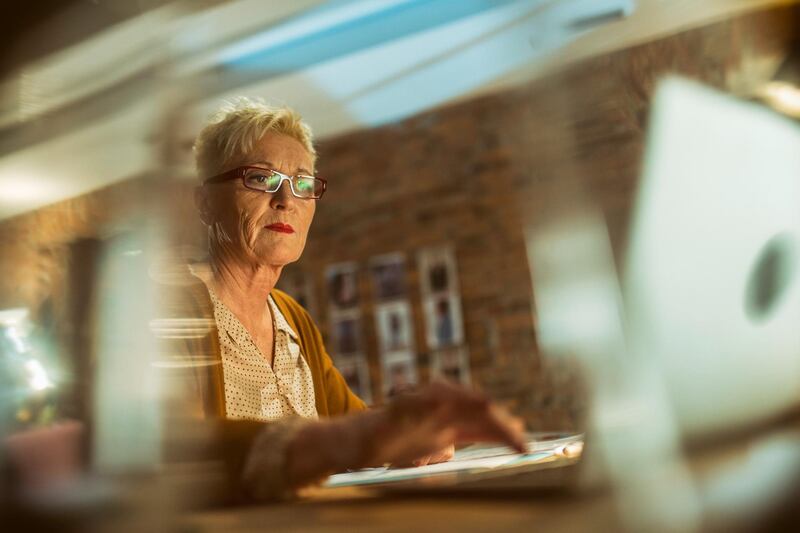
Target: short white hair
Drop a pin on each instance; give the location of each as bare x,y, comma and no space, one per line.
233,130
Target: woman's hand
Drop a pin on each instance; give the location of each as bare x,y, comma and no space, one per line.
421,427
422,424
442,456
414,428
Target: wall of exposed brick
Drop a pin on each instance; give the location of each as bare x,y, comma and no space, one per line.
468,174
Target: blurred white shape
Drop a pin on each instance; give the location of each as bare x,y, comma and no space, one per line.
632,433
712,287
127,421
712,304
15,327
577,297
17,339
23,188
11,317
38,379
106,151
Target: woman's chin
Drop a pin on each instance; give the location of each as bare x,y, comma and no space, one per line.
275,254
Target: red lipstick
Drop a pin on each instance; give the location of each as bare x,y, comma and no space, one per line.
281,228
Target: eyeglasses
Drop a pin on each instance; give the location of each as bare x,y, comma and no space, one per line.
268,180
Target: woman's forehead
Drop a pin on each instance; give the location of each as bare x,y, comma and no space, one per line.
281,152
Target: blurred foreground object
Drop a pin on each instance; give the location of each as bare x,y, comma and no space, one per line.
71,473
712,291
27,371
706,349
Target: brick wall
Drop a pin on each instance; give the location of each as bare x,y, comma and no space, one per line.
471,175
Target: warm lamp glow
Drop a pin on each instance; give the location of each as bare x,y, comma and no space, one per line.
783,96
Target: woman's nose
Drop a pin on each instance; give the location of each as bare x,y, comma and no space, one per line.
283,197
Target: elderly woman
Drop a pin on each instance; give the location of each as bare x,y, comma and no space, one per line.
281,400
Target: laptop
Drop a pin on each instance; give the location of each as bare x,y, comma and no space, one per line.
712,306
476,467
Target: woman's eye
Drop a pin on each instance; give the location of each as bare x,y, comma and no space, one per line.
263,181
257,178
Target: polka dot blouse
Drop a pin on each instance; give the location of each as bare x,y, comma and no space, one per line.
254,390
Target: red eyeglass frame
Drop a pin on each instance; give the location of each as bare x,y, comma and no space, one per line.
240,172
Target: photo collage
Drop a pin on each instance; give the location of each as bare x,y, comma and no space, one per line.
346,334
393,319
444,325
394,324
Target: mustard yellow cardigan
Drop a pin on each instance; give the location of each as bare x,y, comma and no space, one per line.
192,375
190,299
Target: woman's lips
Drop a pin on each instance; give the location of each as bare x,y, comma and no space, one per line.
281,228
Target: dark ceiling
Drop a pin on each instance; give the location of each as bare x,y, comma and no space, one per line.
33,29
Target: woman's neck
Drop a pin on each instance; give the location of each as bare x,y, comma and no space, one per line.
241,284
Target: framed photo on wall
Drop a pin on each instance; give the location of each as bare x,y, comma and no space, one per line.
437,270
443,321
388,274
342,286
346,333
399,373
451,364
394,325
355,372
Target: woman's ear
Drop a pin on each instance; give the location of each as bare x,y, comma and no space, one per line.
203,204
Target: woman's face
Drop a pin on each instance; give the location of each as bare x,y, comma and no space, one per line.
242,217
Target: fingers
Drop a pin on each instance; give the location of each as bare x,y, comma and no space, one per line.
508,428
421,427
518,424
422,461
492,424
476,418
442,456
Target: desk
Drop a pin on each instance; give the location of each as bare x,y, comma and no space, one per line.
355,509
361,510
